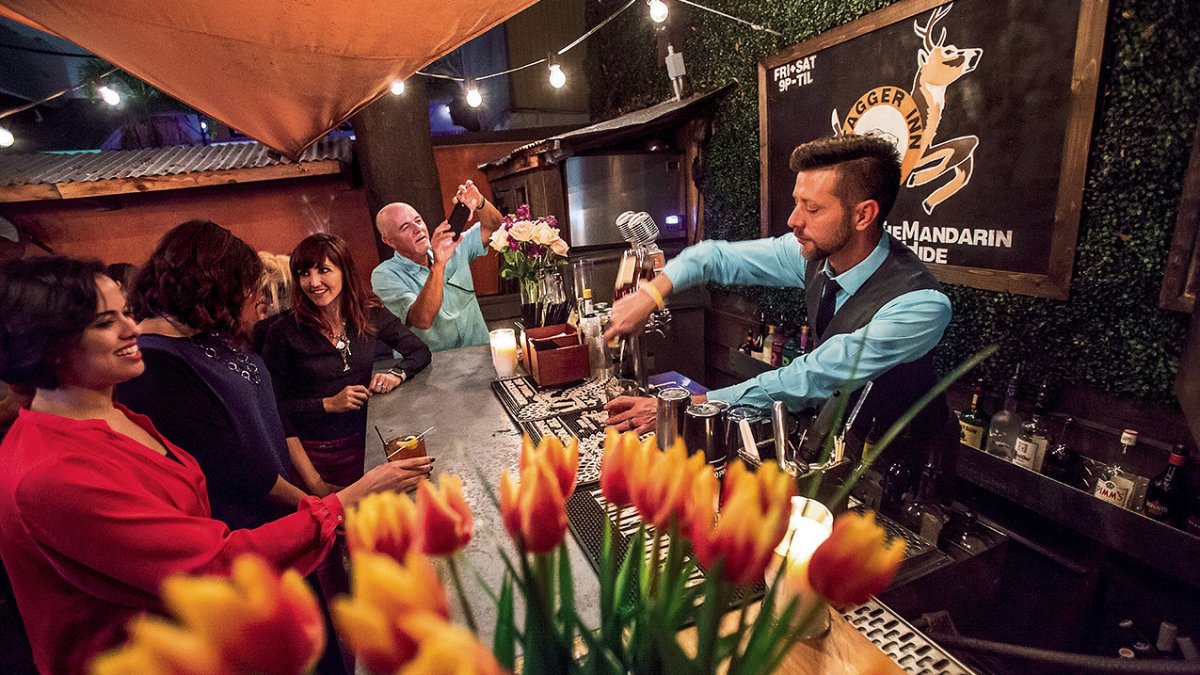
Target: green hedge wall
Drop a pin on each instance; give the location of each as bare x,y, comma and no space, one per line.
1110,334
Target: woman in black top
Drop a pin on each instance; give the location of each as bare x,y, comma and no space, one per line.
321,356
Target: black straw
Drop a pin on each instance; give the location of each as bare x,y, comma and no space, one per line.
380,435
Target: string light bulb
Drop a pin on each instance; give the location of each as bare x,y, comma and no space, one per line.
397,87
6,138
658,11
474,98
109,95
557,77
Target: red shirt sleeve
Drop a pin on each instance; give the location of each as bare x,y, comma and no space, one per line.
137,529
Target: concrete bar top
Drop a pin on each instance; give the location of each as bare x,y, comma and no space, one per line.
472,436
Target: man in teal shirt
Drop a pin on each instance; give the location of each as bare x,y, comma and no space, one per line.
884,311
428,281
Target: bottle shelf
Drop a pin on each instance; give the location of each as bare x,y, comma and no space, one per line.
1162,547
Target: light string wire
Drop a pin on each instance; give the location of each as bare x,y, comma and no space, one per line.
51,97
751,24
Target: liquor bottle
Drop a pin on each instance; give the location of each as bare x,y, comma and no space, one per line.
1062,462
804,347
923,514
870,487
974,423
1006,424
1115,482
748,344
768,342
777,348
897,484
1029,450
789,351
1041,430
1168,496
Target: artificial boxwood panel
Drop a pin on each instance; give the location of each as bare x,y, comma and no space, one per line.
1110,333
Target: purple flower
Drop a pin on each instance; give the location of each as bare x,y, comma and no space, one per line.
514,244
523,212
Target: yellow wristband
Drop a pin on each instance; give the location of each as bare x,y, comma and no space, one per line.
654,295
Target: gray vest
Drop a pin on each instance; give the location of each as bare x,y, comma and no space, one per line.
898,388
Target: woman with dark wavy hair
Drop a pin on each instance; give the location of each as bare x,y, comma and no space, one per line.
321,357
97,508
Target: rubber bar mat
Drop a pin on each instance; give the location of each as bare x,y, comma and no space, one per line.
586,515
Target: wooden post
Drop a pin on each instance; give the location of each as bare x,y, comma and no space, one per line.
395,151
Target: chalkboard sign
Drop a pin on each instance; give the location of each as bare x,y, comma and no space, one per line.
990,103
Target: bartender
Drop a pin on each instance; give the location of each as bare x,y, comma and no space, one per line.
874,308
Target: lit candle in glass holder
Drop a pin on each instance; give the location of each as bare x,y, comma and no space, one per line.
810,525
504,351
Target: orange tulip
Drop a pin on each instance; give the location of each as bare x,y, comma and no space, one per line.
385,591
562,460
535,511
617,466
752,521
157,646
445,648
856,561
384,522
661,483
444,516
258,621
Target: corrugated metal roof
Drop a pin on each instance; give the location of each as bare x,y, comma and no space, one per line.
80,167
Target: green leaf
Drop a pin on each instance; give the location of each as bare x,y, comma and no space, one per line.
566,593
504,644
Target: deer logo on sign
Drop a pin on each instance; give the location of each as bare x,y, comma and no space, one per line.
911,119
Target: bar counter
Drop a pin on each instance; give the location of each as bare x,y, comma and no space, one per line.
473,436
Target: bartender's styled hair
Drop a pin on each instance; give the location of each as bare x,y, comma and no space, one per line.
868,167
200,274
356,298
45,306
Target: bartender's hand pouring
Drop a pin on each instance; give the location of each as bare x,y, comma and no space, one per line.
632,413
629,314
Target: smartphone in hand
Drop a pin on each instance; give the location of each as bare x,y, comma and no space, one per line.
458,217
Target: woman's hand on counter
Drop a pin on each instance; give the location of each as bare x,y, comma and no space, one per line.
351,397
632,413
382,383
399,476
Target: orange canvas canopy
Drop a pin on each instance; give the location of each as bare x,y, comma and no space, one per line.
281,71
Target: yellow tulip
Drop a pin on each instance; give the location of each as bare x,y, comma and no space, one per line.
259,621
384,522
535,510
752,520
157,646
444,516
563,461
856,561
662,481
617,466
446,649
384,593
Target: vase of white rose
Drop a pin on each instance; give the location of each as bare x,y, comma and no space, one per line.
531,250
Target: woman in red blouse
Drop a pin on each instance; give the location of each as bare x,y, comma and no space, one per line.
96,507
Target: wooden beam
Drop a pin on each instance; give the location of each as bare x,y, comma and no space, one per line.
118,186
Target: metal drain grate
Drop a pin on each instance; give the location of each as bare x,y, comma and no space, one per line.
904,644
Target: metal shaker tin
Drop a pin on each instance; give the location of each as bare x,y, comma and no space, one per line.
703,432
672,402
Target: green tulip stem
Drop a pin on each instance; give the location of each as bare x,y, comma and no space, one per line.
468,614
654,564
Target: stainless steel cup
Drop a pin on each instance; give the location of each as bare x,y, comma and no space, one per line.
702,432
757,419
672,402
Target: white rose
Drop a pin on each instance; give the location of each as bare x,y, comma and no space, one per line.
499,239
522,230
559,247
544,234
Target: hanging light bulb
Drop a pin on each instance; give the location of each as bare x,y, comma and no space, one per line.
658,11
557,77
474,98
397,87
109,95
6,138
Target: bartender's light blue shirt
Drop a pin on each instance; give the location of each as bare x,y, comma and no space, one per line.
903,330
459,321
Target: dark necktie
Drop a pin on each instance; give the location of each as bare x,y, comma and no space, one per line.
828,304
